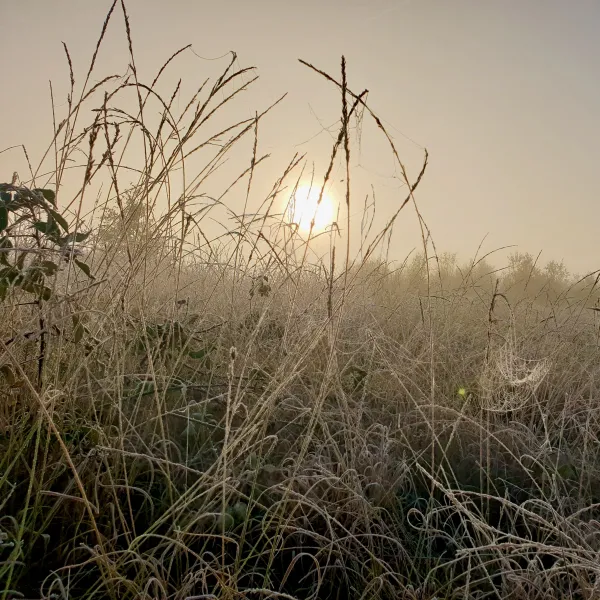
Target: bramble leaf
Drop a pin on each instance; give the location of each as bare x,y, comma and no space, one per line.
59,219
48,267
44,292
81,237
85,268
78,333
48,195
8,374
198,354
3,218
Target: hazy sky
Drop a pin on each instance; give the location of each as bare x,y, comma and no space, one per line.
504,94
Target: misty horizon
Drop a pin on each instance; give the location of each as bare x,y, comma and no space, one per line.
499,96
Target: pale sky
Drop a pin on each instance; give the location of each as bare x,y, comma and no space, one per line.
504,94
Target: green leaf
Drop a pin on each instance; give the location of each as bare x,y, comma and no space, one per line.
154,331
78,333
42,226
198,354
8,374
48,267
224,522
74,238
190,431
3,218
44,292
239,511
567,471
59,219
48,228
5,243
53,230
21,261
9,273
81,237
47,194
85,268
34,275
144,388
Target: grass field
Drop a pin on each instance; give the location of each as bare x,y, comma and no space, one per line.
221,415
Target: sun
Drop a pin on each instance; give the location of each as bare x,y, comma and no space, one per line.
305,206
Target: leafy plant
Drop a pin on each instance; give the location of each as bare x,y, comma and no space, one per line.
30,225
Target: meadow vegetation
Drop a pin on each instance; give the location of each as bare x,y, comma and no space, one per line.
186,414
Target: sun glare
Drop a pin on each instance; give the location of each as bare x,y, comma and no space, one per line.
305,207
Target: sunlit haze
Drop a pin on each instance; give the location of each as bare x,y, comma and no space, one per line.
504,96
311,209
